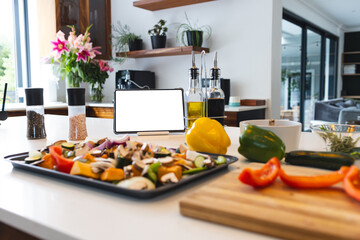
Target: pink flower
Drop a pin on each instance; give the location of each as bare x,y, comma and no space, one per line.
82,54
60,46
95,50
88,46
71,39
60,35
104,66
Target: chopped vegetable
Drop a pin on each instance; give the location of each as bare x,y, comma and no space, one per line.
83,169
63,164
49,162
137,183
112,174
351,183
199,161
68,145
177,170
261,177
220,160
194,170
32,159
319,181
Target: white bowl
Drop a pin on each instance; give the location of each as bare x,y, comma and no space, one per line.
288,131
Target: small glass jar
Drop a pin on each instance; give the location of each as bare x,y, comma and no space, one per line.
77,114
35,113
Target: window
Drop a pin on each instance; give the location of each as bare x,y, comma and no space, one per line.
308,68
14,41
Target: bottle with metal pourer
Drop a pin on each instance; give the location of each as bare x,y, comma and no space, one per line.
194,97
215,95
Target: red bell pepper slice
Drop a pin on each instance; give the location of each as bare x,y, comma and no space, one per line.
351,183
261,177
63,164
319,181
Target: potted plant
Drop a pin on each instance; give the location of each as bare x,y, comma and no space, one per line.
158,34
193,33
123,37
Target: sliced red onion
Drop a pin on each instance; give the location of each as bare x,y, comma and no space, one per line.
103,145
121,141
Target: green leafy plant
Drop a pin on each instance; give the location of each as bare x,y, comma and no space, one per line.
96,73
337,143
159,29
121,37
188,26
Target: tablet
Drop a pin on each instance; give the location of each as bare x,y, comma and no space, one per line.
145,111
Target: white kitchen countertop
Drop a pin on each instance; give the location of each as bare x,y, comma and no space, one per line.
50,208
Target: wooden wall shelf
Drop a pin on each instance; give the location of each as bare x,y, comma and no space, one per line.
160,52
154,5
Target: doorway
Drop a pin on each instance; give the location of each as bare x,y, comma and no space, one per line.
308,71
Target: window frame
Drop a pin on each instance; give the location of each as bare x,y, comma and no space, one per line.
306,25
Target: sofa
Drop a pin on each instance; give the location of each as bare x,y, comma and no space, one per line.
339,110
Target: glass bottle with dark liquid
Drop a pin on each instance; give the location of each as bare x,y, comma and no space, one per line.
193,96
215,95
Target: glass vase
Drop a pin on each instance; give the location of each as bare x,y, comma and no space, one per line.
73,80
96,93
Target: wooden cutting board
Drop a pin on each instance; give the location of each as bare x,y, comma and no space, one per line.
277,210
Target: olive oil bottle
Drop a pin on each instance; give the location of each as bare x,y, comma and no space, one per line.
194,97
215,95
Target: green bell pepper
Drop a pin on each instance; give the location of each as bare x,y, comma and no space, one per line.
260,145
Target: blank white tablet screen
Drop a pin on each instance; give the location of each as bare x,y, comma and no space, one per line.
149,110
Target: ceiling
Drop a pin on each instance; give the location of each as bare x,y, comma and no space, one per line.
344,12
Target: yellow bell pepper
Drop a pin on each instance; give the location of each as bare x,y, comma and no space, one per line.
207,135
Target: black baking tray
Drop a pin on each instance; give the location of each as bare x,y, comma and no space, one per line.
17,161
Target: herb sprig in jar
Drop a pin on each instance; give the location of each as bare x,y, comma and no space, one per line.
335,141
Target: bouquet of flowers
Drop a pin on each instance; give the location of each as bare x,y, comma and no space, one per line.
73,55
96,73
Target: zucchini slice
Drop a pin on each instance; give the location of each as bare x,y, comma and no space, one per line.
199,161
68,145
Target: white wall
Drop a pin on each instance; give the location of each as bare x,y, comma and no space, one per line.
312,14
246,34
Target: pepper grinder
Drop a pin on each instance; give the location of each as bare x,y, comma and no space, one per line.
35,113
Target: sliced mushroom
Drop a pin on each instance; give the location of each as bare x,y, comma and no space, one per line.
209,163
169,178
136,156
128,171
183,148
139,165
98,167
185,166
82,150
122,151
166,161
96,152
108,160
148,160
145,147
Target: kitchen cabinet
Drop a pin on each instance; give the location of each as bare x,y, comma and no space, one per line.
83,13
